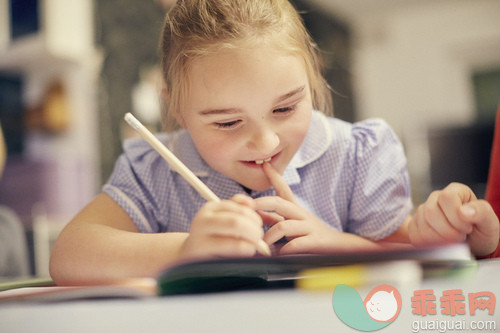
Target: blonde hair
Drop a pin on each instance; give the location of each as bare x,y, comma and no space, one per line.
195,28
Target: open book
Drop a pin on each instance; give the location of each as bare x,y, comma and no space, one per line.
246,273
285,271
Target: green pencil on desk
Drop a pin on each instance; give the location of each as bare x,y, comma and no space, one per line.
183,170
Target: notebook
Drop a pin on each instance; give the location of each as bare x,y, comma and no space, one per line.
231,274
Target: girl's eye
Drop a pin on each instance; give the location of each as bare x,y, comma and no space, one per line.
284,109
228,124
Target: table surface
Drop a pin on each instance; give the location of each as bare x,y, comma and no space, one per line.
287,310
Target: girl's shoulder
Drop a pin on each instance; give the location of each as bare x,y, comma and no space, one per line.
138,151
140,154
363,135
368,131
331,137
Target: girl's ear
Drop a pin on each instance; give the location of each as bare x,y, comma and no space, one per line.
164,95
178,118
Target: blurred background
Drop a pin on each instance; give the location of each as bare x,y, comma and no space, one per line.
70,70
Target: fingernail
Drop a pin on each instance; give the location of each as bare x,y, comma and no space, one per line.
263,248
468,210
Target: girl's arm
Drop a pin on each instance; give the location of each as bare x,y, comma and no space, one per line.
102,244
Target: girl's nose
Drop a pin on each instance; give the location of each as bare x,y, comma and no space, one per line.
264,141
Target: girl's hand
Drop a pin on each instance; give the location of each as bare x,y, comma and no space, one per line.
454,214
304,231
229,228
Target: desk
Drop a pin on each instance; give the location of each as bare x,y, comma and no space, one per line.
250,311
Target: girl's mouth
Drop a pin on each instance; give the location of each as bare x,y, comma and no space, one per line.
258,163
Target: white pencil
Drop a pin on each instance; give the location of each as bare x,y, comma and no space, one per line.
178,166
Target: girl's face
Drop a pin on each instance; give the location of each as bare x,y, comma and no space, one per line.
245,106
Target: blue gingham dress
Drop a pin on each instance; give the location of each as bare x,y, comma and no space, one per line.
353,177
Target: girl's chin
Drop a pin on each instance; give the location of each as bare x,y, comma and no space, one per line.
256,186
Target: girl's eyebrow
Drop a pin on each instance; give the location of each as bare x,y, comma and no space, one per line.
218,111
234,110
290,94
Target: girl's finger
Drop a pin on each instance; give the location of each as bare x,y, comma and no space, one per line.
236,208
270,218
246,201
422,233
280,206
280,186
432,227
450,204
289,229
227,247
243,200
229,224
438,221
481,215
478,211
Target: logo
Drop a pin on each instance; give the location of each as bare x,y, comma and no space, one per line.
380,307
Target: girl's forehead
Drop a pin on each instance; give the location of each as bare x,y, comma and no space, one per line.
257,63
229,77
244,55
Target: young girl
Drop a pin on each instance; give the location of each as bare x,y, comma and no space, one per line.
243,80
